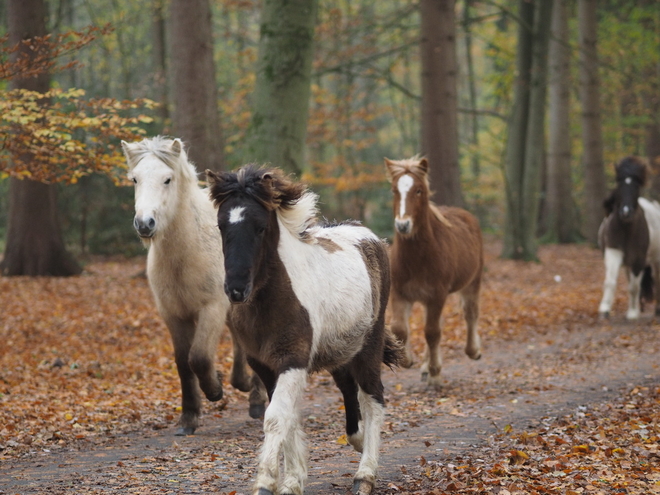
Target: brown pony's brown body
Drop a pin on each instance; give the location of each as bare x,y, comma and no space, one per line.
437,250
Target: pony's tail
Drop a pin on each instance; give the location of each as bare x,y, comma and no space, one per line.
647,285
393,353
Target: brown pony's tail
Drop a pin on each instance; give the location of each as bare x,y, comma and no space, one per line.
393,353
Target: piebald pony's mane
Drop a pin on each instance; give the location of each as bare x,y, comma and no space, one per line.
294,204
162,148
633,167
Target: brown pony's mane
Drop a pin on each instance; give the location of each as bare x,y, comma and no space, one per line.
294,204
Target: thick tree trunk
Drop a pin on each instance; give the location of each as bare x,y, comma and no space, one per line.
535,138
278,128
439,99
194,92
560,214
160,60
595,187
517,133
472,90
34,239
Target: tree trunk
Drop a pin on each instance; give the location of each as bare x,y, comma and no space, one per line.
472,90
34,239
517,133
535,137
278,128
595,188
439,99
160,61
194,92
560,214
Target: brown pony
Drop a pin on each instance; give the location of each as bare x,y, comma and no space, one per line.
437,250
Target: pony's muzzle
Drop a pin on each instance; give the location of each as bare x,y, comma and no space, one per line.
238,295
625,213
145,227
403,226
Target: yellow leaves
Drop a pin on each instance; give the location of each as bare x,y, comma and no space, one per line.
518,457
342,440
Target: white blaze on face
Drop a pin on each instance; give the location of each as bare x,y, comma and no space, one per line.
236,214
404,185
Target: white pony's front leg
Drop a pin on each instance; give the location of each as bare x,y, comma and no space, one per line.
634,289
373,415
613,261
284,434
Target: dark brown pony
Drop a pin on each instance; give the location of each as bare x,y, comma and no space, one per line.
437,250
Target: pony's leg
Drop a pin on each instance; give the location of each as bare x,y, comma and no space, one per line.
283,434
400,325
210,324
634,289
470,297
432,331
613,261
372,406
182,332
655,273
349,390
239,379
263,384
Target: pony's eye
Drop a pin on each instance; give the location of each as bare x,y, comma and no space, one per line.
134,180
167,181
419,192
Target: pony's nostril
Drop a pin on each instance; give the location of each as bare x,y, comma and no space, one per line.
136,224
152,223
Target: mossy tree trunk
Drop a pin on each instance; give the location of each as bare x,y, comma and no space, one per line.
278,128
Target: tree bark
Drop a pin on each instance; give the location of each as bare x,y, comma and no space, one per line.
160,60
439,130
595,188
195,114
472,90
560,214
535,138
34,239
517,133
278,128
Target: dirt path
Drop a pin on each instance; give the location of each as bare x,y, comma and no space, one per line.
516,383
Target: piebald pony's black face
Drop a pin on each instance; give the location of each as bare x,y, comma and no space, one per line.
243,224
630,178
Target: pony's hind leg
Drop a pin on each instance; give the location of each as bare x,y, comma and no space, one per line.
191,404
239,378
432,364
400,325
349,390
470,298
372,407
284,435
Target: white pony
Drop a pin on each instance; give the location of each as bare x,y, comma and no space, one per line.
177,223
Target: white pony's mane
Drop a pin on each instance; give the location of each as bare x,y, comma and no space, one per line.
161,148
301,216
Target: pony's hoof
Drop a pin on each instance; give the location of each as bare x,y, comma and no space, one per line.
184,431
216,397
657,311
475,355
257,411
605,315
362,487
264,491
425,376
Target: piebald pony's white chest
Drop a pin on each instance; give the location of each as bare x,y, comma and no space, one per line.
333,285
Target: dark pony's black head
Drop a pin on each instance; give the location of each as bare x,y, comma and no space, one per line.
247,201
631,176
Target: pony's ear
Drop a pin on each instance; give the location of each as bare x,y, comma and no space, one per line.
129,152
213,177
388,169
424,165
177,146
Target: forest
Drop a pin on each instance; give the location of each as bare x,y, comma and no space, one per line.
520,109
368,99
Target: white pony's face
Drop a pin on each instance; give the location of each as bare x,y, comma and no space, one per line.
155,196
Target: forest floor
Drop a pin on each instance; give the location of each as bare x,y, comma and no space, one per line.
560,402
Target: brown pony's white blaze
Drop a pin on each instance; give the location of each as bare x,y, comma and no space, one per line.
177,222
630,236
437,250
305,298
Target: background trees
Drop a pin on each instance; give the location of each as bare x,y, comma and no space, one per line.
367,101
